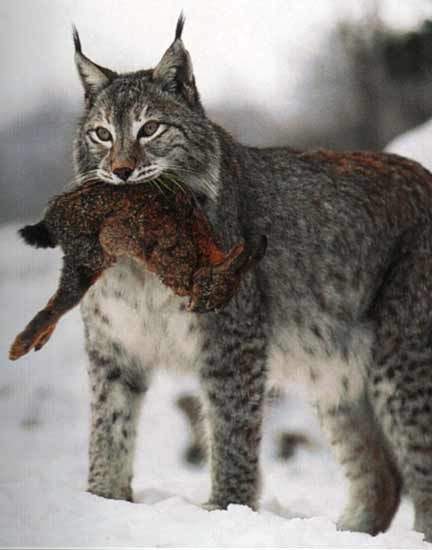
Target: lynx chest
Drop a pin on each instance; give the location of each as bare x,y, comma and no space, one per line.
129,313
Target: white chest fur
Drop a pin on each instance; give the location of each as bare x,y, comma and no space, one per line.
129,306
333,373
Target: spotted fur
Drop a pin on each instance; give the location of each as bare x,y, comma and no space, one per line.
343,295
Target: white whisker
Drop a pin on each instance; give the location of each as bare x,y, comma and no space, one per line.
209,187
84,177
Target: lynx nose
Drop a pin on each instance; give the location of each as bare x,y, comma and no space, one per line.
123,172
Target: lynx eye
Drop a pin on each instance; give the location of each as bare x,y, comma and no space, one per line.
103,134
148,129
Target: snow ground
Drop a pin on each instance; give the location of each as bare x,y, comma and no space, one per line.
415,144
44,408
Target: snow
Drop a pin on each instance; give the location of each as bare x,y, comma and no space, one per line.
415,144
44,406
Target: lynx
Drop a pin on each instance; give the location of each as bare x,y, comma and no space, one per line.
343,294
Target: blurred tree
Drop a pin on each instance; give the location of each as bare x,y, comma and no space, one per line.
390,76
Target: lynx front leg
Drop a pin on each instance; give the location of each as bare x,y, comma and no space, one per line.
375,483
115,405
233,378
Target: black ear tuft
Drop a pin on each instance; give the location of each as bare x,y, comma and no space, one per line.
37,235
94,77
179,26
76,39
174,72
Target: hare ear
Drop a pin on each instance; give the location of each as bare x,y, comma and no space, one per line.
174,72
93,76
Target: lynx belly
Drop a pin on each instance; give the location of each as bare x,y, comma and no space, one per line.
333,368
129,309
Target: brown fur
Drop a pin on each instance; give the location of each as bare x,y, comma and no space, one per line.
98,223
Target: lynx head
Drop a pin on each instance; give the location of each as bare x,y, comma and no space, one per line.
139,126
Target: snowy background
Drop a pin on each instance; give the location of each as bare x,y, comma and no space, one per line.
255,62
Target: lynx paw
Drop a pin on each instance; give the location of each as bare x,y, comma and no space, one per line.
210,506
122,494
215,505
361,521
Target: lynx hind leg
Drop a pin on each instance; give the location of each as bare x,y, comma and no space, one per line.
402,371
196,451
403,390
374,481
115,405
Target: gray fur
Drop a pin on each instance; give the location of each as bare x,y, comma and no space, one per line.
344,294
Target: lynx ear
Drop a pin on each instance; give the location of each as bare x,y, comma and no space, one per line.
174,72
93,76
